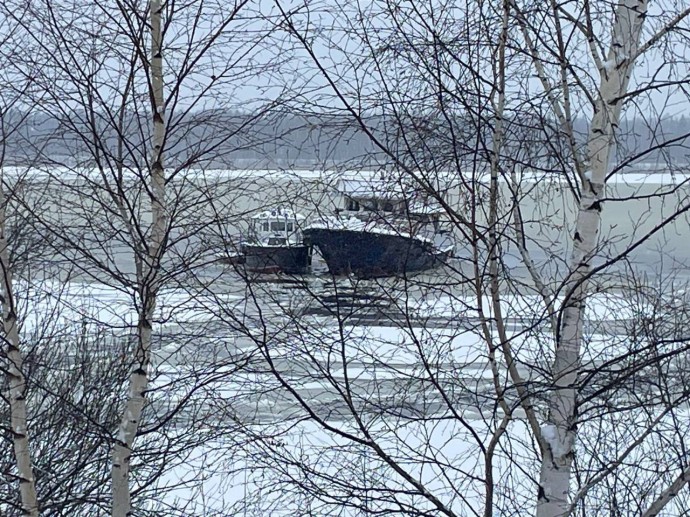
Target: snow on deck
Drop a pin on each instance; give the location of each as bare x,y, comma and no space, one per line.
354,224
279,213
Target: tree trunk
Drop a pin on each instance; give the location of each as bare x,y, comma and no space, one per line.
559,432
148,280
15,377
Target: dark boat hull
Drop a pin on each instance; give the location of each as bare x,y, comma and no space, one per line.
276,259
369,254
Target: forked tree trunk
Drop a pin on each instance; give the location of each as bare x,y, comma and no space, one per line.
15,377
148,281
559,432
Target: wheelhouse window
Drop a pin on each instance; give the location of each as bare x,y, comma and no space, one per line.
264,227
352,205
277,226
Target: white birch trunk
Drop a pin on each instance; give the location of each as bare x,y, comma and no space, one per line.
15,377
559,432
148,280
499,106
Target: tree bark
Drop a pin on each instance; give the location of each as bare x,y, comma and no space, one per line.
148,280
15,377
559,432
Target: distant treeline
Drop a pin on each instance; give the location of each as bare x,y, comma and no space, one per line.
228,139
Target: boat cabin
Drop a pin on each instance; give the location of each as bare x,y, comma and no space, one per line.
371,195
429,213
363,197
276,227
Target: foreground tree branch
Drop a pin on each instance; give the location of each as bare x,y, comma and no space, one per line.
148,278
16,379
560,428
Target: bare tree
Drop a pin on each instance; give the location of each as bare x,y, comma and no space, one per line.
147,276
542,370
13,355
558,433
121,220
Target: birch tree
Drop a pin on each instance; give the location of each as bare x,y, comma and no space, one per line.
16,381
147,273
39,404
559,430
137,229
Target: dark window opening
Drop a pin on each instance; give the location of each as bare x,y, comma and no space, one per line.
352,205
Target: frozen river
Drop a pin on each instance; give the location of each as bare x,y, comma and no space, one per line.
384,340
211,318
233,344
209,210
406,358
